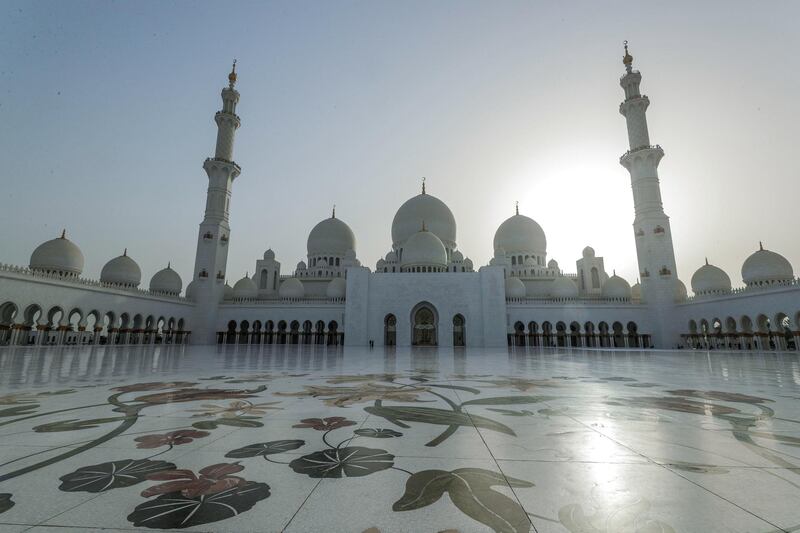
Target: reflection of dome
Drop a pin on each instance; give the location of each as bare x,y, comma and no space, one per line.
166,281
122,271
588,252
563,288
245,289
710,279
616,288
636,292
58,256
514,288
520,234
765,266
680,291
331,236
337,288
428,209
424,249
292,288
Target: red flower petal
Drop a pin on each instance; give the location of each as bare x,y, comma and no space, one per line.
221,470
166,475
170,486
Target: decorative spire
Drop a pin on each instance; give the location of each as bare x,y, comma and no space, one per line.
125,253
423,184
516,206
169,265
760,246
333,215
64,233
627,59
706,261
232,76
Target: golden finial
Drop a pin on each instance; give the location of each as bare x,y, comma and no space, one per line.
333,215
516,206
232,75
627,60
64,233
423,184
169,265
125,253
760,245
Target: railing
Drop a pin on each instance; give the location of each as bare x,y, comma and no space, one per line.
588,298
640,148
752,289
74,280
305,300
223,160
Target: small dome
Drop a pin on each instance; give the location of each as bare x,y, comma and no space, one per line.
765,266
552,264
337,288
190,290
468,263
122,271
680,291
331,236
588,252
563,288
391,257
520,234
166,281
292,288
269,255
457,256
301,265
245,289
424,248
710,279
514,288
60,256
636,292
380,264
227,292
616,288
428,209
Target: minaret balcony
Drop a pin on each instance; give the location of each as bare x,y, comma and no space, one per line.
643,152
226,161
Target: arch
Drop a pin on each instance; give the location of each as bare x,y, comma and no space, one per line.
764,324
390,330
633,334
605,340
547,333
595,278
244,331
619,339
730,324
575,335
424,325
533,334
561,334
230,338
282,332
519,334
591,340
459,330
692,326
294,332
8,312
319,332
333,333
307,326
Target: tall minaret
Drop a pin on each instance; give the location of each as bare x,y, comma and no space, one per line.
650,225
214,235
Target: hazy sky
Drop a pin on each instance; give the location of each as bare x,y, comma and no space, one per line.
106,116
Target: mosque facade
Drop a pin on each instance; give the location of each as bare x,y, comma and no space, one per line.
423,292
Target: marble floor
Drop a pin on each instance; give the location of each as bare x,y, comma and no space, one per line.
319,439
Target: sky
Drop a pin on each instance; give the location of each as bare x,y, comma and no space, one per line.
106,113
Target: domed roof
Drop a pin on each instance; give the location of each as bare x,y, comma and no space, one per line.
514,288
121,270
588,252
468,263
423,208
680,291
424,248
190,290
710,279
552,264
520,234
617,288
337,288
59,255
269,255
301,265
765,266
166,281
245,289
292,288
391,257
636,292
563,288
331,236
457,256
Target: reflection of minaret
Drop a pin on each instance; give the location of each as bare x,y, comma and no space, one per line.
650,225
214,234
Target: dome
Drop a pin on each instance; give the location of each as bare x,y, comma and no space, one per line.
269,255
588,252
428,209
514,288
292,288
380,264
563,288
520,234
190,290
636,292
301,265
468,263
331,236
391,257
424,248
765,266
457,256
245,289
166,281
59,255
710,279
680,291
616,288
337,288
227,292
121,270
552,264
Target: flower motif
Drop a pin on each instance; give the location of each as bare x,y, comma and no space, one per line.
235,409
155,385
173,438
212,479
325,424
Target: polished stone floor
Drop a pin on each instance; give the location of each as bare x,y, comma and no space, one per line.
314,439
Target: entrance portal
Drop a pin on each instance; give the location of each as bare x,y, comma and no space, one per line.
424,327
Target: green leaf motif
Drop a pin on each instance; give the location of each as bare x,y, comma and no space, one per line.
6,502
265,448
76,425
509,412
18,410
113,475
469,490
351,461
375,433
508,400
239,422
173,510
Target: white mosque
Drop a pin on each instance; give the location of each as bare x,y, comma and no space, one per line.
425,291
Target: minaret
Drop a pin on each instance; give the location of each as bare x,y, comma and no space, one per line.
650,225
214,234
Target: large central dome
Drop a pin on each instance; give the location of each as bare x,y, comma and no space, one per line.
520,234
331,236
425,208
